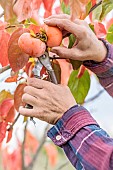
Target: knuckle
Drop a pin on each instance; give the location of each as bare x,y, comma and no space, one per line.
83,32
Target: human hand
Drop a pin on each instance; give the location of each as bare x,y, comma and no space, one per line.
49,101
87,46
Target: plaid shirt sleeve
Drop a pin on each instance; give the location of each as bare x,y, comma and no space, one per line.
87,146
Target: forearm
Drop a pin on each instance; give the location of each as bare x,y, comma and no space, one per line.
84,142
104,70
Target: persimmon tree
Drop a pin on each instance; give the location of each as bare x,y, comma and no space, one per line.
23,39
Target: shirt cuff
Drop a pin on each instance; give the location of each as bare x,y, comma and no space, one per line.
71,122
102,69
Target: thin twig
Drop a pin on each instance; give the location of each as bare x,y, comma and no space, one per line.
23,147
3,69
2,14
13,26
95,6
63,165
95,97
11,127
30,167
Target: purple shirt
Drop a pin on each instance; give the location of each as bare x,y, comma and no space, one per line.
87,146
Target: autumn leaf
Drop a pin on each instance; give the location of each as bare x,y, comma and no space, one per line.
9,15
65,71
11,115
77,10
4,38
48,7
17,58
9,136
81,71
3,126
100,29
5,95
52,154
5,108
18,96
22,9
12,79
2,25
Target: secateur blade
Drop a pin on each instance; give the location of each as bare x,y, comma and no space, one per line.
45,61
36,70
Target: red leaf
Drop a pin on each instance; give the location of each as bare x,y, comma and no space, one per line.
23,9
81,71
29,69
100,30
11,79
2,25
11,115
17,58
52,154
18,96
5,107
3,126
9,135
65,71
109,23
48,4
4,38
36,4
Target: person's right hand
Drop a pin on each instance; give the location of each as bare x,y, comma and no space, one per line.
88,47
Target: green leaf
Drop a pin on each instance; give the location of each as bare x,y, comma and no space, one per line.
65,8
76,64
88,7
109,36
79,86
72,40
107,6
97,13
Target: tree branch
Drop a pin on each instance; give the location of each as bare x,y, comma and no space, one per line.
23,147
94,97
30,167
95,6
11,127
3,69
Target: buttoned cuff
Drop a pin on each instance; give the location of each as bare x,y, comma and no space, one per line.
71,122
102,69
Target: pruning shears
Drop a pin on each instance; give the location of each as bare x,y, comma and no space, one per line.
43,60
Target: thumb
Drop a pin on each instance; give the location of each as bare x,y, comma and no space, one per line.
61,51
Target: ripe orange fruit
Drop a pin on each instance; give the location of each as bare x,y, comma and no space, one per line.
30,45
54,35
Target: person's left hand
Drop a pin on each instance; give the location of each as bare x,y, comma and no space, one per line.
49,101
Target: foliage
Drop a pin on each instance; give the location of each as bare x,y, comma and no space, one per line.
24,16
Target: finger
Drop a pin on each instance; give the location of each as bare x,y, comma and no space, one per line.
59,16
28,99
81,22
39,84
26,112
67,25
72,53
37,93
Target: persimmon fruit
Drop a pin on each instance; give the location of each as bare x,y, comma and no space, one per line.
35,43
54,35
30,45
